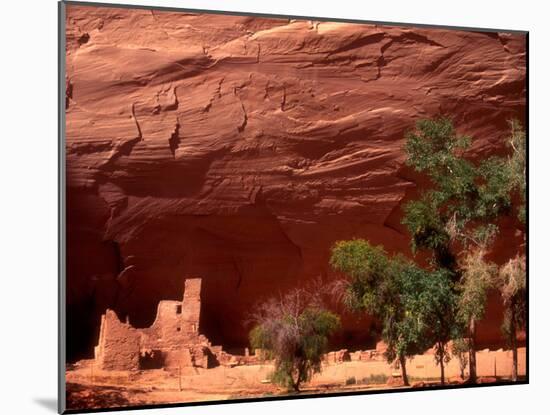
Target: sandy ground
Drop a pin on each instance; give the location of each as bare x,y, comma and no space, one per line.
87,387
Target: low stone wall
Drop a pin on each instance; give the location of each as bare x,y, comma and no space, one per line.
496,363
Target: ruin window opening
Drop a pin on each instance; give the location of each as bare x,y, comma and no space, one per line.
151,359
178,309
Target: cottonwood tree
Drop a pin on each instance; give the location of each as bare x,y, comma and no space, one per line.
460,349
386,287
512,277
477,277
455,221
293,329
512,283
430,298
517,164
456,216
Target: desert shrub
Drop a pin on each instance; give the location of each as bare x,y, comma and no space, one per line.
351,381
293,330
375,379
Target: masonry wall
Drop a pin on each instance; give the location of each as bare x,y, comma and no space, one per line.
490,363
166,330
173,340
191,306
119,344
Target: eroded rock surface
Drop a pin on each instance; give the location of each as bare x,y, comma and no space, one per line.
239,149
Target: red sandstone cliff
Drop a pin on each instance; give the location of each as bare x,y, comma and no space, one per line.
239,149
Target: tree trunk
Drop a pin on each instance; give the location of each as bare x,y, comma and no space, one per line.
442,362
462,367
403,363
472,352
513,341
296,384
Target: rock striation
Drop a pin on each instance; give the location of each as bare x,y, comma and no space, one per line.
241,148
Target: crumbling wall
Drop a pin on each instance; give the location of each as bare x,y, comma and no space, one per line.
119,344
166,330
191,306
190,356
177,322
173,340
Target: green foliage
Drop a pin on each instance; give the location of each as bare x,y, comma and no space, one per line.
294,331
359,259
517,165
436,150
416,307
463,204
422,307
427,227
465,199
430,298
406,331
371,286
433,146
493,192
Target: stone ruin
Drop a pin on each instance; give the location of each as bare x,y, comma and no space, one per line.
172,341
344,355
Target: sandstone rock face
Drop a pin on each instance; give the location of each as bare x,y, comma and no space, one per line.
239,149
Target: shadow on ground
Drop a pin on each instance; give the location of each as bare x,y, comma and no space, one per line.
49,403
86,397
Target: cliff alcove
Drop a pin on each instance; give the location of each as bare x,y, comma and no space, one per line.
242,154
